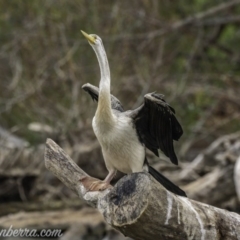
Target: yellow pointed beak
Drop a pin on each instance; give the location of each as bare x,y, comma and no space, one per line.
88,37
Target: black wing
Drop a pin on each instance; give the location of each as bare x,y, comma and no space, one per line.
94,92
157,125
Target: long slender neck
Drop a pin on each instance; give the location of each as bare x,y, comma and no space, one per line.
104,111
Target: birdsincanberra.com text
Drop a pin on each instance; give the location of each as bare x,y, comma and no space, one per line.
25,232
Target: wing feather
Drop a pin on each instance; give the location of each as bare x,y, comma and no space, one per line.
157,125
155,122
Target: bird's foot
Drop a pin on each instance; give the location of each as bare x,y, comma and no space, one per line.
93,184
99,186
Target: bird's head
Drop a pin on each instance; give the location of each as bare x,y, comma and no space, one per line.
93,39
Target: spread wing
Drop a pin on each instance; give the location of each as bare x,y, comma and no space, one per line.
157,125
94,92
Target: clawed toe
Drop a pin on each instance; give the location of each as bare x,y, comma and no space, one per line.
98,186
93,184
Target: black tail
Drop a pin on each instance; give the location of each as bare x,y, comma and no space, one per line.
166,183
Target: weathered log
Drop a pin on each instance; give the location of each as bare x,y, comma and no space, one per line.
211,171
211,184
225,148
141,208
9,140
237,177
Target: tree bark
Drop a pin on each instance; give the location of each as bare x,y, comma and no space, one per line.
139,207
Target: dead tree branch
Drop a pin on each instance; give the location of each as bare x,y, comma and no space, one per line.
197,20
141,208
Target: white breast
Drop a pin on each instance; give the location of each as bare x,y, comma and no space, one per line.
120,145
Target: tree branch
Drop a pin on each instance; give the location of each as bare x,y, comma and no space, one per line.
197,19
141,208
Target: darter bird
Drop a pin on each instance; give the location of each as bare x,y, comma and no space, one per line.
125,135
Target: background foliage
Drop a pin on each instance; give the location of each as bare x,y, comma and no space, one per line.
45,60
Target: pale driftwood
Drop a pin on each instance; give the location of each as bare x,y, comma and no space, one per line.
237,177
221,150
9,140
212,184
213,170
141,208
21,162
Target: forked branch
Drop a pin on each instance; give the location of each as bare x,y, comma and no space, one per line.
139,207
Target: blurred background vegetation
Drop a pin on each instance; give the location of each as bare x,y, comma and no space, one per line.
45,60
187,50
